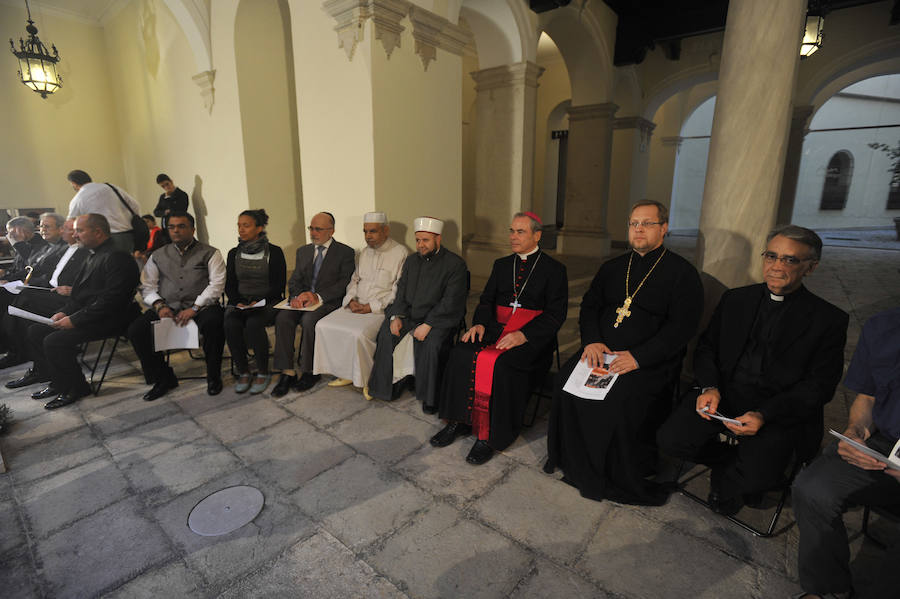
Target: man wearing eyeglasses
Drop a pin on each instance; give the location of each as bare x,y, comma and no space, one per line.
636,318
182,280
321,273
770,359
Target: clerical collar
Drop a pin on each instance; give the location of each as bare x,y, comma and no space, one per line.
652,254
776,298
525,255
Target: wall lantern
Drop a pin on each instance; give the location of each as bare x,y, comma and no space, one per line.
812,35
37,67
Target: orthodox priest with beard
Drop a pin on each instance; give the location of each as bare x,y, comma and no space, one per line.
489,375
641,309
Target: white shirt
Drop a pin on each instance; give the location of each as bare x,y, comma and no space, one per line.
374,281
54,280
325,247
210,295
98,198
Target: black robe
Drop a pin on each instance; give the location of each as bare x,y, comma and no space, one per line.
605,448
514,372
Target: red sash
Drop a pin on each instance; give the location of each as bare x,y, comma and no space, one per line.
484,367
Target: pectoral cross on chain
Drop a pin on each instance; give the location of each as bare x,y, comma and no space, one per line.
623,312
515,304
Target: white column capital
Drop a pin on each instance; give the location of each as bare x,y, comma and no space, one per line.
431,32
508,75
204,81
643,126
590,112
351,17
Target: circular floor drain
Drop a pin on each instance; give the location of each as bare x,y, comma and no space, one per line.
226,510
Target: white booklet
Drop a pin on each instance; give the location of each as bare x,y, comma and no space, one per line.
168,335
591,383
14,287
719,416
893,462
286,305
258,304
13,311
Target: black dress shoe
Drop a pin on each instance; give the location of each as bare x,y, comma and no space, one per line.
213,386
161,388
449,433
65,399
30,378
44,393
726,506
429,409
480,453
284,384
306,381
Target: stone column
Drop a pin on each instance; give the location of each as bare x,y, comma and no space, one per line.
504,156
799,123
758,71
663,159
584,232
628,175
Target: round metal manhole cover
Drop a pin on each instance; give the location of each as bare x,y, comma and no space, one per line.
226,510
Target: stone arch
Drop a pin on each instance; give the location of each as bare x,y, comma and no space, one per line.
498,33
193,18
584,46
678,82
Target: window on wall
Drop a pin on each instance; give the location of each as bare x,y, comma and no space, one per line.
837,181
894,193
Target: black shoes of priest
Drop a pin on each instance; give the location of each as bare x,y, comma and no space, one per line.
69,397
284,384
30,378
480,453
44,393
214,386
723,500
306,381
449,433
165,384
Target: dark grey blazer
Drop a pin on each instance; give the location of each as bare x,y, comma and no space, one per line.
334,276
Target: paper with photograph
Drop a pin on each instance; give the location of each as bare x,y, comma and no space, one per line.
591,383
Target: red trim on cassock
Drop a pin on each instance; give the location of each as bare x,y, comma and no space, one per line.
484,367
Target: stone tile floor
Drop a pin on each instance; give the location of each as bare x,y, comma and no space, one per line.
358,504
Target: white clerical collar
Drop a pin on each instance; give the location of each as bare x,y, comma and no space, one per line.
525,256
776,298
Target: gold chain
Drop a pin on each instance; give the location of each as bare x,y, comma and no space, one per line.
624,311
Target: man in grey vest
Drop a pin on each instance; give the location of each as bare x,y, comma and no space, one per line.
183,281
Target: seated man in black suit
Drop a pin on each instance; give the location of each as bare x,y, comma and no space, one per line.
771,358
57,286
321,273
101,305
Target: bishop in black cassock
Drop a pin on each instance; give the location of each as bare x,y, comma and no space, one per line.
527,295
605,448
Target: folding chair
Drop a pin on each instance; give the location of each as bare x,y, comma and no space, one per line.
888,512
538,384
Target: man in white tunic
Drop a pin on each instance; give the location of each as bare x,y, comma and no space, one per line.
345,339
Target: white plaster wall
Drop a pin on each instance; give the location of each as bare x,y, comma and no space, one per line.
870,183
417,139
73,128
162,121
690,169
335,115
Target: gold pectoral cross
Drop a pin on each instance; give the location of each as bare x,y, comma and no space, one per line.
623,312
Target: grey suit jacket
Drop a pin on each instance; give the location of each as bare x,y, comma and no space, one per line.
334,275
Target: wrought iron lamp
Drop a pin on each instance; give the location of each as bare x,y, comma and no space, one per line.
37,67
814,27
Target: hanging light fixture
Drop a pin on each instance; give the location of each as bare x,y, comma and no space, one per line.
37,67
815,25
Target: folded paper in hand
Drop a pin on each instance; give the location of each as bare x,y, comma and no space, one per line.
168,335
286,305
591,383
13,311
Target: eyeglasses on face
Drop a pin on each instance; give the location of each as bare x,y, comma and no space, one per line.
644,224
786,259
178,226
319,229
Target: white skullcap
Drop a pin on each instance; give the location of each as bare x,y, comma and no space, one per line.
429,224
375,217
